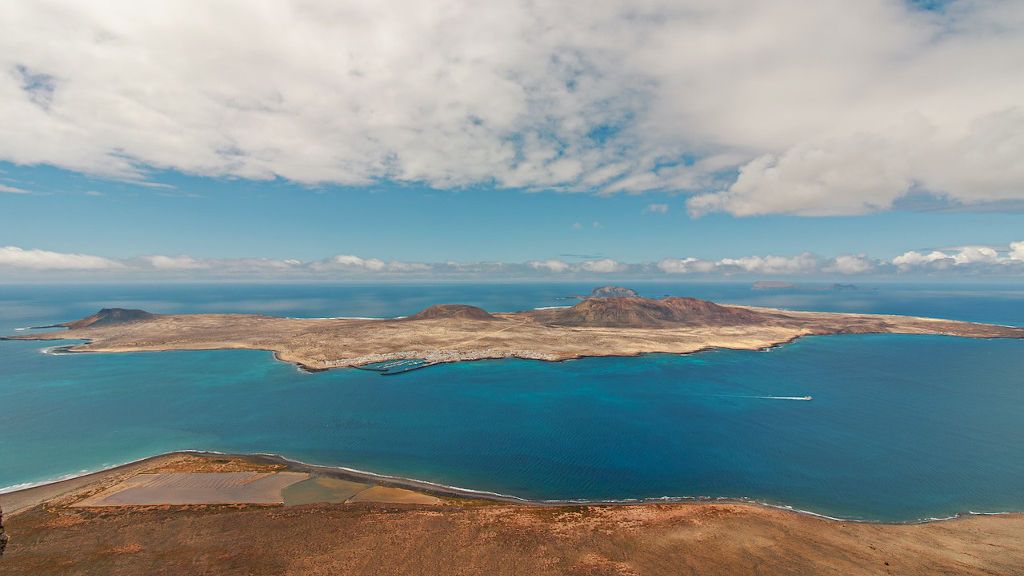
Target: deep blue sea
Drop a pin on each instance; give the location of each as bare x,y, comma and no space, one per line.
901,428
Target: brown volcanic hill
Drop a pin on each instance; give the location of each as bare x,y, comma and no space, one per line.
108,317
635,312
457,311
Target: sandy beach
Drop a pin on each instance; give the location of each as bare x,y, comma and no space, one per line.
401,527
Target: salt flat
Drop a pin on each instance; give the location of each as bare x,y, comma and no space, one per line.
179,488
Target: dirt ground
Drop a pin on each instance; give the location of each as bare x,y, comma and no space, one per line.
498,539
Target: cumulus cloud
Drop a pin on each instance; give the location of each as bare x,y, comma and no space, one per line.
1016,251
812,108
16,262
602,266
15,257
972,259
349,261
355,263
912,259
851,264
656,209
801,264
772,265
549,265
689,265
175,262
976,254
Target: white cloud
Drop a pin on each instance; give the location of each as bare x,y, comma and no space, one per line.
973,259
549,265
965,260
802,264
826,107
12,190
176,263
357,264
15,257
688,265
976,254
656,209
396,266
850,264
350,261
602,266
912,259
1016,251
849,177
771,265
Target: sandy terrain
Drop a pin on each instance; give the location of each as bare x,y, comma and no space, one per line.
322,489
601,327
474,536
197,488
388,495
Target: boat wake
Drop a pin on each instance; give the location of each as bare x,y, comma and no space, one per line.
751,397
800,398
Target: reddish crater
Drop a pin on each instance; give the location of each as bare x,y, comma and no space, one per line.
456,311
633,312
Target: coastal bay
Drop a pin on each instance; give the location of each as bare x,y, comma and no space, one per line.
892,433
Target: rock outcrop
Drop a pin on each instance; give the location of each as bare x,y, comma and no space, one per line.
3,534
613,292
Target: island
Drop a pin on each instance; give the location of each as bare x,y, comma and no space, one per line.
620,325
196,512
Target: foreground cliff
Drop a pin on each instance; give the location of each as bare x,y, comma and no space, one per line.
3,534
623,325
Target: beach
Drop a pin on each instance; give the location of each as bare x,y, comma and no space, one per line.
451,531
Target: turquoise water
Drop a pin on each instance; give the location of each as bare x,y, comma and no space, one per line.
900,428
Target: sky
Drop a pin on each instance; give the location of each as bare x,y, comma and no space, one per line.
347,140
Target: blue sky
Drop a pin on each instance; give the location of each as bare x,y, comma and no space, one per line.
334,140
232,218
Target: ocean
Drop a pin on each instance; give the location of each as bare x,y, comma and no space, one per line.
900,428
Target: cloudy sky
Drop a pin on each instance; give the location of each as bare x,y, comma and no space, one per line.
687,138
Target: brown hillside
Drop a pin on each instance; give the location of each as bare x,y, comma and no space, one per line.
634,312
109,317
458,311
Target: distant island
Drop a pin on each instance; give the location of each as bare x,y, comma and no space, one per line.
772,285
781,285
619,325
613,292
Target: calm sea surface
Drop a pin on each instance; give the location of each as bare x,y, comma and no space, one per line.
900,428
